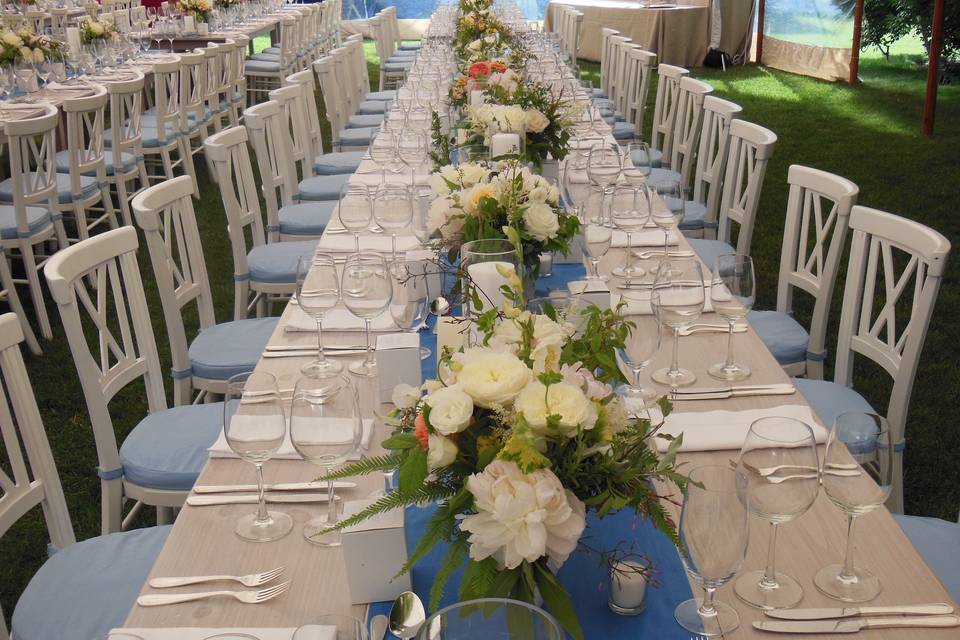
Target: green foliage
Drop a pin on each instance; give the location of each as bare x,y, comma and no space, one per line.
887,21
603,332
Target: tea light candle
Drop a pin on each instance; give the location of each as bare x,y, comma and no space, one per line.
476,98
546,264
503,144
486,278
628,588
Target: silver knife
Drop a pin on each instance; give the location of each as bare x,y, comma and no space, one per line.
311,353
722,393
936,608
854,625
283,486
277,498
326,347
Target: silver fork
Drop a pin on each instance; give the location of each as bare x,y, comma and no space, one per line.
656,253
247,597
252,580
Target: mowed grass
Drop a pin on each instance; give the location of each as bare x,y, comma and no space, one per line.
869,133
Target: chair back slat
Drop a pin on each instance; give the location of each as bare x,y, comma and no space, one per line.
750,149
687,128
712,154
665,107
268,129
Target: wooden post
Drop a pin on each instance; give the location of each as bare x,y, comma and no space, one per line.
760,11
857,36
936,39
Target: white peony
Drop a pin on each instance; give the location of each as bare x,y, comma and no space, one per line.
541,221
12,39
96,28
510,118
470,198
535,120
438,181
450,410
441,210
405,396
548,338
471,173
491,378
441,451
431,385
521,516
537,401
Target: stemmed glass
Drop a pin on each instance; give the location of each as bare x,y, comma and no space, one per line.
732,293
355,210
595,240
392,210
857,477
383,149
629,212
423,197
677,300
318,291
669,216
410,150
779,466
603,169
714,529
641,343
636,164
325,429
366,290
411,298
254,427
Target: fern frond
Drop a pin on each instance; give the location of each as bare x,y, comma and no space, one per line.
440,527
452,560
366,466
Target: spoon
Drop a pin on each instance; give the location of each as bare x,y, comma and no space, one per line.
378,628
407,615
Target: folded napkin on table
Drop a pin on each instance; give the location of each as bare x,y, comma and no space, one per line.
647,237
384,243
336,320
640,298
221,449
719,430
191,633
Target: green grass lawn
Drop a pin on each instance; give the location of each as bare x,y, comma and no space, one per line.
869,134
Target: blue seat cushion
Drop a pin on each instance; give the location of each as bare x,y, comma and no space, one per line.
148,136
168,448
660,175
623,130
938,541
656,158
381,95
88,187
224,350
38,219
694,216
598,92
357,137
403,56
264,56
276,262
410,47
263,66
829,399
337,162
88,588
307,219
786,339
361,121
322,187
710,250
603,103
374,107
128,160
397,67
273,50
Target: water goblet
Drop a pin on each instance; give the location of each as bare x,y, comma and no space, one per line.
318,291
629,212
677,299
366,290
732,293
639,347
411,297
636,163
595,241
383,149
669,216
392,210
603,168
355,210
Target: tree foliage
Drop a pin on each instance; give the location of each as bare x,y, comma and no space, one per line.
886,21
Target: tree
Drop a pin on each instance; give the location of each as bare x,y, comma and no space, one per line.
886,21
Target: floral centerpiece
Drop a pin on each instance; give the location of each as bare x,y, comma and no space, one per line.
221,4
517,439
91,30
199,9
28,46
480,34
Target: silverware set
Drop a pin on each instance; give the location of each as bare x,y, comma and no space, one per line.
854,619
800,471
738,391
247,597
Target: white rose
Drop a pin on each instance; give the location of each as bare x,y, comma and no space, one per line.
12,39
405,396
470,199
431,385
438,181
475,45
452,228
441,451
96,28
535,120
450,410
539,193
511,118
441,210
548,338
482,114
521,516
471,173
536,402
492,378
541,221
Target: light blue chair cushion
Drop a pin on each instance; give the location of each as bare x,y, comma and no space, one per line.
694,214
265,56
128,160
415,46
710,250
337,162
88,588
168,448
598,92
659,175
261,66
786,339
88,186
365,121
273,50
623,130
938,541
357,137
38,219
403,56
656,158
148,136
322,187
381,95
307,219
603,103
374,107
276,262
397,67
829,399
224,350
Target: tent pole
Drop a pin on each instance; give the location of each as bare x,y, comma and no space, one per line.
761,9
936,39
857,36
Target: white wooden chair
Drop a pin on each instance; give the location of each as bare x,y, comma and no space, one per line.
220,84
160,133
165,214
124,157
610,106
750,149
336,106
392,70
639,68
815,230
238,79
606,34
8,292
686,134
892,281
87,587
261,272
360,71
665,112
263,72
194,117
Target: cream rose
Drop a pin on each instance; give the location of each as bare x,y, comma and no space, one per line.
521,516
450,410
541,221
510,118
12,39
537,401
475,45
441,451
441,210
405,396
96,28
471,173
548,339
470,199
492,378
535,121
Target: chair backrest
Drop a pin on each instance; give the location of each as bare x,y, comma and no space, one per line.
665,107
25,482
213,75
288,41
165,214
348,88
126,107
268,130
193,89
686,133
712,154
605,34
639,68
166,100
324,68
85,147
622,96
225,53
614,90
237,72
59,19
290,99
751,147
357,61
121,19
818,216
97,288
32,148
308,101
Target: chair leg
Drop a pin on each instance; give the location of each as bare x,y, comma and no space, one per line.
123,199
164,515
14,301
111,507
241,297
36,292
188,167
108,207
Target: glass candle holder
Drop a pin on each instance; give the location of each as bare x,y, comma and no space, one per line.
628,588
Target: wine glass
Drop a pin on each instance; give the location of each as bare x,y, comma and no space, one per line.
366,290
325,429
355,210
778,463
318,291
383,149
857,477
677,299
392,210
254,427
345,628
629,212
669,216
603,168
732,293
714,529
423,200
636,163
641,343
410,149
595,240
411,298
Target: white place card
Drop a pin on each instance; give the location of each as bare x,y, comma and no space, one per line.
398,361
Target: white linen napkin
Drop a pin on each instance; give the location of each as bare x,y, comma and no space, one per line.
193,633
720,430
644,238
221,449
336,320
342,243
640,298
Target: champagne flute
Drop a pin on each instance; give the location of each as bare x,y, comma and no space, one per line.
714,529
788,444
410,149
669,216
411,298
325,429
677,300
732,293
856,439
392,210
366,291
318,291
355,210
254,427
641,343
629,212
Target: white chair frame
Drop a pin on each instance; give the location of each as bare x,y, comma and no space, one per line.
665,108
